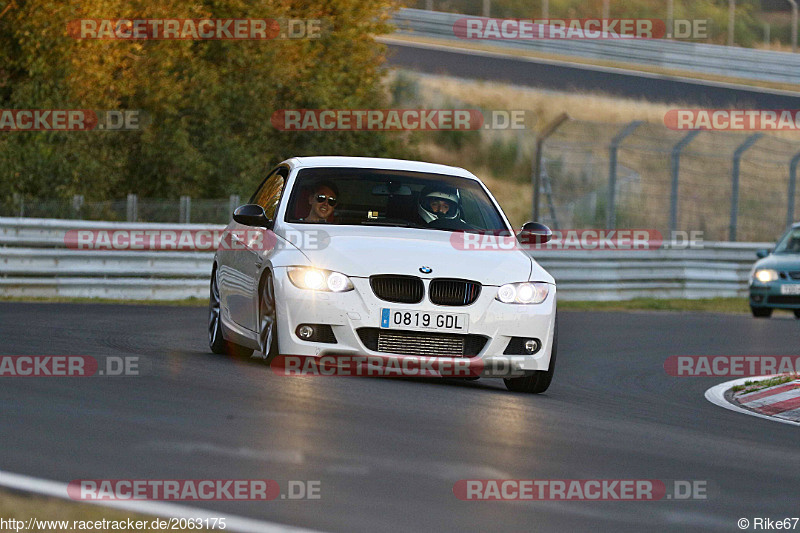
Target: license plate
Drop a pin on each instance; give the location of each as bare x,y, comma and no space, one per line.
790,289
424,321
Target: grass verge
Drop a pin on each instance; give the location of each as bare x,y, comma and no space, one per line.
709,305
753,386
188,302
23,507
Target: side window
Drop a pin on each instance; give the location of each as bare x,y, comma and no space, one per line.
268,195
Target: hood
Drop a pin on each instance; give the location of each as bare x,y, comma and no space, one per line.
366,251
780,262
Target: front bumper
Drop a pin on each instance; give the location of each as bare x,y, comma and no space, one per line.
770,295
349,311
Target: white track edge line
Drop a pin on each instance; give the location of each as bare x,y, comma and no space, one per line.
716,395
57,489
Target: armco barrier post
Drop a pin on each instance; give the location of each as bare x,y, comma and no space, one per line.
20,201
185,210
611,208
133,208
792,187
77,204
737,159
537,159
233,203
675,168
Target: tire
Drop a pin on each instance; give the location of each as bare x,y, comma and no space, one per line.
216,341
761,312
797,313
268,320
538,381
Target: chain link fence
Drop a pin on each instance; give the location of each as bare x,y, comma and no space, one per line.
131,209
730,186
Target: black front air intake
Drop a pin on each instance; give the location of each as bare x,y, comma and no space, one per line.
453,292
398,289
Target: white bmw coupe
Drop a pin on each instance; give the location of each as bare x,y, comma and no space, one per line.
375,257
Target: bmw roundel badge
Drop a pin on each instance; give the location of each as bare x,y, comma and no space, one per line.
425,270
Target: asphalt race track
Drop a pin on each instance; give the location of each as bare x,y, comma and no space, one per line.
388,451
564,76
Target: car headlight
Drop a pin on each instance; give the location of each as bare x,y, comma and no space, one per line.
766,275
531,292
317,279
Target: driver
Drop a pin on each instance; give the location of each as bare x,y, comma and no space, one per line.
439,202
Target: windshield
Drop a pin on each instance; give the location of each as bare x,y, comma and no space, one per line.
374,197
790,243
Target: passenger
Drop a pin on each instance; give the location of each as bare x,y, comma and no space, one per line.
322,202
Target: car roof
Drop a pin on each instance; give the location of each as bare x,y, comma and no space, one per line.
378,162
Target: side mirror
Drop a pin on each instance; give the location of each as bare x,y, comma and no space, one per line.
535,233
761,254
251,215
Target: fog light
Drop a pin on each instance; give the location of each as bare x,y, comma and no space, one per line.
305,332
757,297
532,346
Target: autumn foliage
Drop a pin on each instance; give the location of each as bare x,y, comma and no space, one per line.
208,103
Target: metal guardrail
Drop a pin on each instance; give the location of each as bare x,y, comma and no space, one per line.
34,262
721,60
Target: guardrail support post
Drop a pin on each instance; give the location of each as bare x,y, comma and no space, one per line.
186,210
792,187
611,208
794,24
233,203
737,159
19,200
77,204
670,17
675,168
537,159
133,208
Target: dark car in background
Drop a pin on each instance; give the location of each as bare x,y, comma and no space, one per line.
775,278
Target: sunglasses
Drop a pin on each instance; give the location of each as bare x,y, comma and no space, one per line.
321,198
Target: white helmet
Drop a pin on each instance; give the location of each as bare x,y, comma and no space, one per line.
439,192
